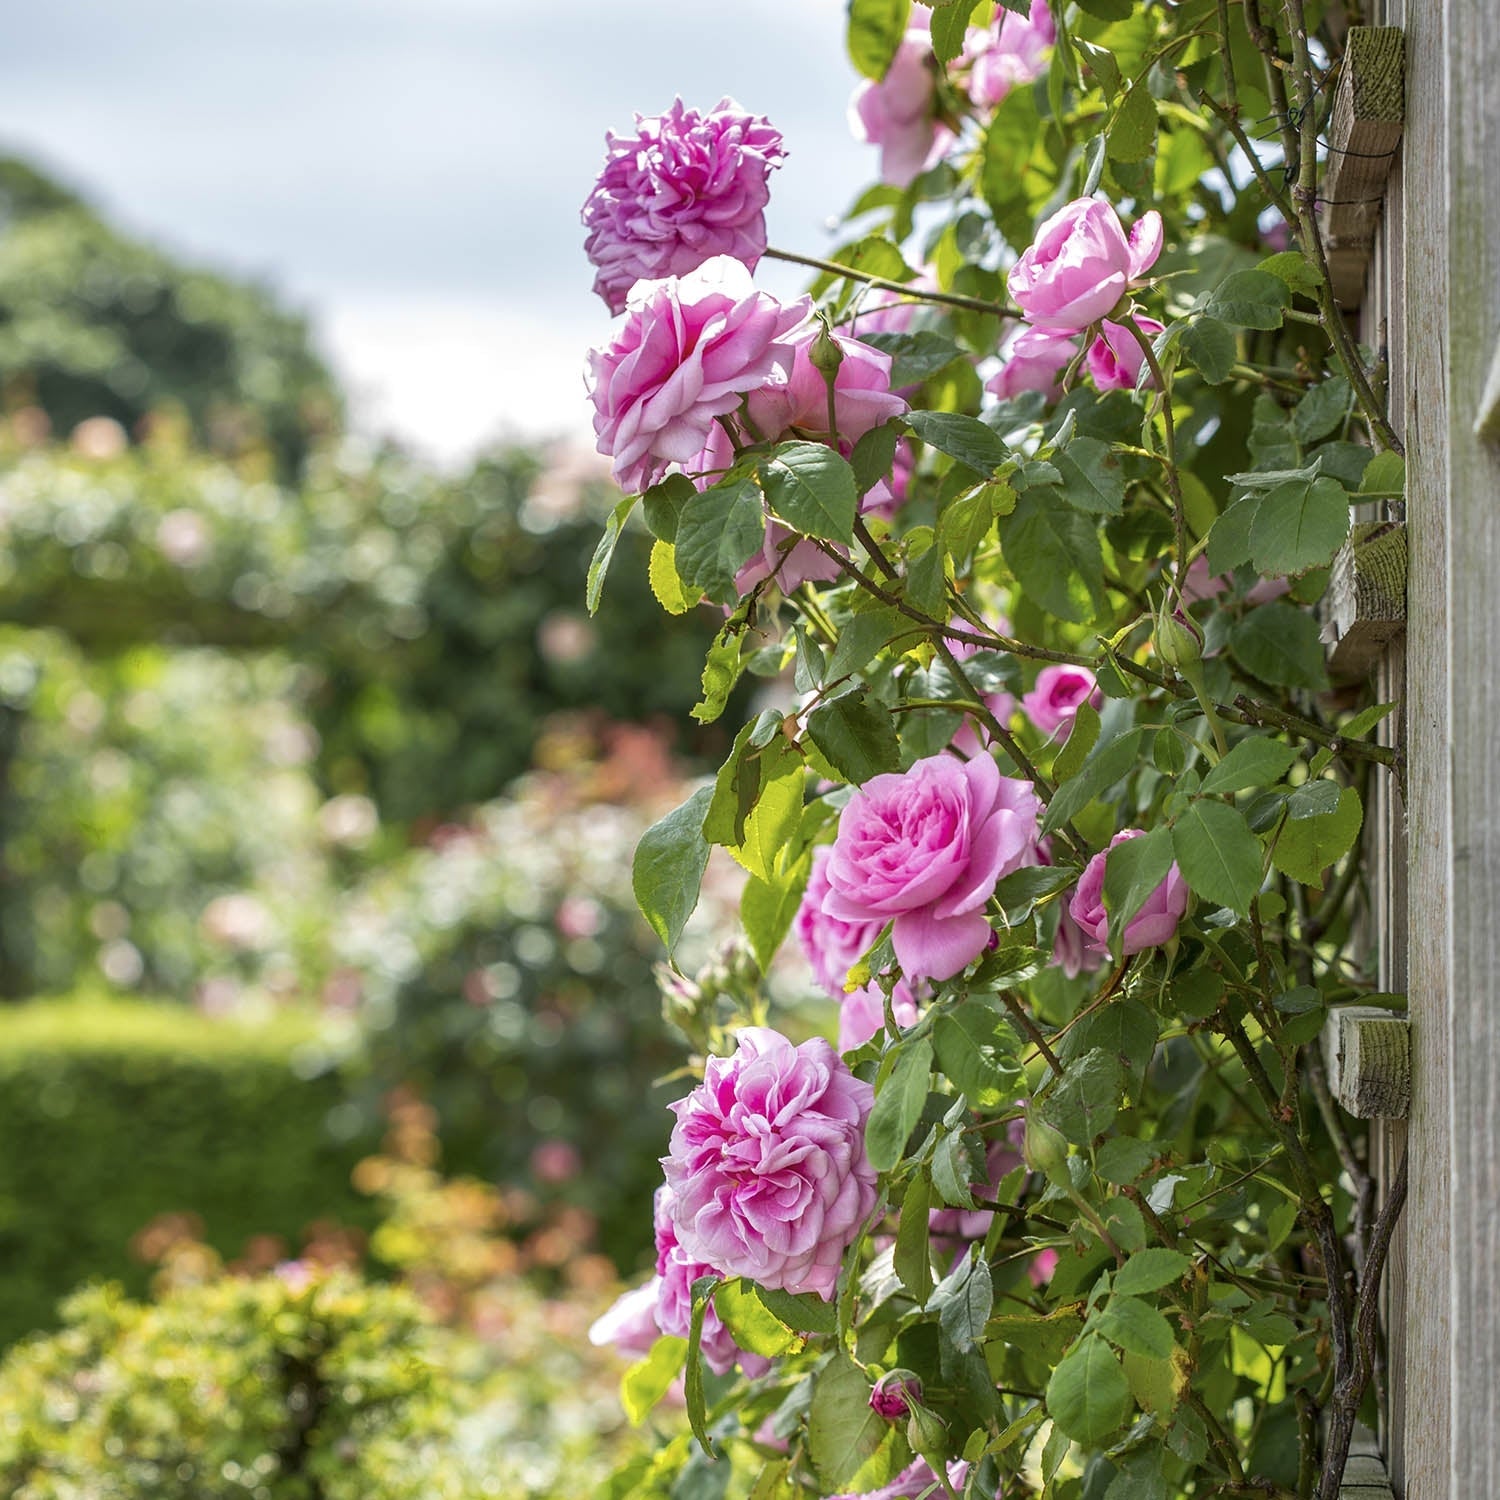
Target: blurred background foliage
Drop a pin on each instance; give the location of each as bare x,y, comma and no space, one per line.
316,810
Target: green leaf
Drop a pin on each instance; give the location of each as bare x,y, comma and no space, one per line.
1254,762
898,1103
873,456
875,256
1385,473
1322,409
754,1326
1294,268
844,1436
956,1167
1299,526
1108,764
1218,855
950,23
1313,799
723,667
979,1053
860,637
1088,1396
692,1382
874,34
605,551
1086,1100
926,572
1249,299
1149,1271
668,868
812,489
772,821
1158,1385
1279,643
1135,1327
665,584
963,1300
856,736
969,519
1132,135
1093,477
912,1259
1104,10
1305,848
1082,738
1099,61
1054,552
663,504
1229,538
804,1311
718,530
1123,1158
767,908
1132,871
649,1379
966,439
914,356
1212,349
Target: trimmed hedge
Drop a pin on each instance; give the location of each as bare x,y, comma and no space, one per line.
114,1112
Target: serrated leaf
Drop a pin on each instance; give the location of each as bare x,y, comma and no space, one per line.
874,34
966,439
1306,848
1088,1396
1093,478
1132,133
1294,268
753,1325
665,583
1249,299
1279,644
1254,762
1149,1271
873,456
912,1258
860,637
857,736
1158,1385
914,356
772,820
1082,738
812,489
667,871
845,1437
804,1311
767,908
723,667
969,519
1385,473
898,1103
1086,1100
692,1380
1299,526
649,1379
963,1300
1136,1328
1218,855
605,551
1229,537
950,24
1211,348
1313,799
979,1053
663,503
1108,764
718,531
1054,553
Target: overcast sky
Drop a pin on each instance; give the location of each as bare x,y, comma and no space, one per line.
409,172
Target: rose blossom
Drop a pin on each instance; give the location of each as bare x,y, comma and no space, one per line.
1053,703
898,113
767,1163
1081,264
894,1393
1034,361
676,1271
1153,925
925,848
685,187
916,1479
832,946
690,347
630,1323
1009,52
1115,357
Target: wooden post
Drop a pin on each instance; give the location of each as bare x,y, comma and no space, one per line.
1364,610
1367,1056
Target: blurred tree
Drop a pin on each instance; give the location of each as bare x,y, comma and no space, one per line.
93,324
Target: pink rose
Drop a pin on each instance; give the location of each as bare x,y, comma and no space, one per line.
925,849
630,1324
1072,950
685,187
894,1393
1034,361
676,1271
1009,52
1154,924
832,946
899,113
1053,703
862,1013
1115,358
914,1481
690,347
767,1163
1081,264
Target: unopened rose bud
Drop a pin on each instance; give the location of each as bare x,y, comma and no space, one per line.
1045,1148
1178,638
825,355
927,1435
895,1394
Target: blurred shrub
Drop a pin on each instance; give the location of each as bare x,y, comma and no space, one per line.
114,1113
93,323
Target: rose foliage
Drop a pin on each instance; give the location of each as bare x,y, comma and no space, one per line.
1027,509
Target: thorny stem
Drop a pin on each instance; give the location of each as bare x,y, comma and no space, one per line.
1032,1030
949,299
1174,478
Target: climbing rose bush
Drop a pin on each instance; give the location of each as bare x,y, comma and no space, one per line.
687,186
767,1166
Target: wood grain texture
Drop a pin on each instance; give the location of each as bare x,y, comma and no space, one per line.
1473,328
1364,610
1363,135
1368,1058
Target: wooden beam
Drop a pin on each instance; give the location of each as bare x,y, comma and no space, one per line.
1367,1053
1363,134
1364,609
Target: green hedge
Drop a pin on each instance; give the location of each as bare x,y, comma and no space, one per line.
114,1112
